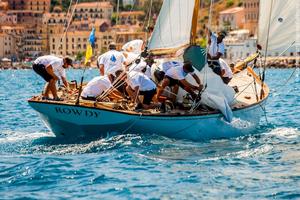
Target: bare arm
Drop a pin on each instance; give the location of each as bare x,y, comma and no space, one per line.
64,80
101,68
188,85
49,70
219,55
197,79
135,95
165,83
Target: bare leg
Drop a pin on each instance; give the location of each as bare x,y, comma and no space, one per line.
52,86
46,90
175,91
130,92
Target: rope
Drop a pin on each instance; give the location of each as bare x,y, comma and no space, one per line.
118,80
69,23
195,104
131,125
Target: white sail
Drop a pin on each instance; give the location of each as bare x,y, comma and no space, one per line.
173,26
284,25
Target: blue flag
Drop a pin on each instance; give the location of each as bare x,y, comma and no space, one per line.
92,38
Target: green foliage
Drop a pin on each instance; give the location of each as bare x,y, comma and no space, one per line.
229,3
240,4
80,56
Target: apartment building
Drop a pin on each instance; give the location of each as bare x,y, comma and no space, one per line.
34,5
131,17
251,8
232,19
94,10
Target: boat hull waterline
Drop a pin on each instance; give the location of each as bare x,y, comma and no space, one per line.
73,121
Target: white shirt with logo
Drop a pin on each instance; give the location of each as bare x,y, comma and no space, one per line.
134,46
113,61
214,47
165,66
141,80
96,86
224,66
177,72
55,62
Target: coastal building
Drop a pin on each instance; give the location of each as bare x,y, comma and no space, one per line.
7,45
232,19
132,17
238,45
251,15
11,43
7,19
3,5
96,10
126,33
33,5
75,42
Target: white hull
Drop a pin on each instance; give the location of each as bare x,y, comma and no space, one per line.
77,121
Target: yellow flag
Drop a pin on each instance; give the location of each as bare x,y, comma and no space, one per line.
88,54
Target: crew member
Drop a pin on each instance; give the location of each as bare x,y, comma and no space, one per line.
139,84
175,77
96,87
111,61
51,69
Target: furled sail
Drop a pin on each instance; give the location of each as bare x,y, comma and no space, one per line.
284,26
173,26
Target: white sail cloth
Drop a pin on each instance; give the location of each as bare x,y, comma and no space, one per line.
217,95
284,25
173,26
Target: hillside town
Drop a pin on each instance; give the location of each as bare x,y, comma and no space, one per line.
31,28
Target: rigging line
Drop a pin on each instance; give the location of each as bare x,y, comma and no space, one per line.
118,80
243,90
170,23
69,23
267,42
65,25
131,8
196,104
148,23
133,123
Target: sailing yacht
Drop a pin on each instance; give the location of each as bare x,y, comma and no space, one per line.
220,113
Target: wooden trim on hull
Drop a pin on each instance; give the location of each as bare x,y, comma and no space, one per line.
147,114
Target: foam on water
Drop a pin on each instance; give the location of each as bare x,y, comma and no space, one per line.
36,165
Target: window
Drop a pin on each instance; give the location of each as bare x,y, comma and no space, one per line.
53,46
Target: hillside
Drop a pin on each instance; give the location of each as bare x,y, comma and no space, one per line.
218,6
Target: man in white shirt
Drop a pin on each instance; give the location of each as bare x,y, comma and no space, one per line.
175,77
139,84
111,61
216,45
216,51
226,72
159,74
134,46
96,87
141,66
52,68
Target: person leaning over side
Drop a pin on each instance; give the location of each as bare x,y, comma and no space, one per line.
175,77
139,84
111,61
97,86
51,69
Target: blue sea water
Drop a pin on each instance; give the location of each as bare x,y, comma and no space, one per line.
34,165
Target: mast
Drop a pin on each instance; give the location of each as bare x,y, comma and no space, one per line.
194,23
